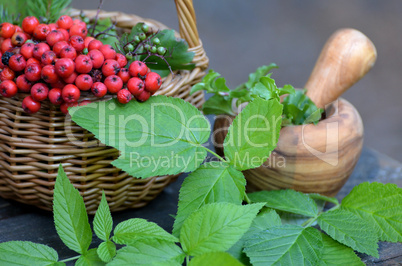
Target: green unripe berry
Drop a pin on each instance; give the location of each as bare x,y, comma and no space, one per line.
85,51
130,47
153,49
156,41
145,28
86,20
147,47
137,39
161,50
129,56
142,36
29,41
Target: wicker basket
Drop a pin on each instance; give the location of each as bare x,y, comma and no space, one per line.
33,146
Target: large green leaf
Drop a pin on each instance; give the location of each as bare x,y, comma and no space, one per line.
380,204
212,182
299,109
286,200
163,135
131,230
334,253
215,259
149,252
26,253
253,134
70,216
216,227
106,251
91,258
285,245
103,222
351,230
217,105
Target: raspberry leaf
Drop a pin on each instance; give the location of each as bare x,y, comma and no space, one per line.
216,227
212,182
70,216
379,204
215,258
286,200
106,251
90,258
103,222
285,245
26,253
253,134
163,135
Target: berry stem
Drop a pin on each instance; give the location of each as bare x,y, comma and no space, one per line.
97,17
106,31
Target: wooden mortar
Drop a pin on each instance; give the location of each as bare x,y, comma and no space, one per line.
318,158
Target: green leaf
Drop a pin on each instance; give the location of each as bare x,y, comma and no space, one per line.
215,259
299,109
266,89
285,245
161,136
262,71
149,252
91,258
334,253
106,251
212,182
287,89
253,134
26,253
70,216
379,204
265,219
351,230
216,227
316,196
286,200
131,230
49,9
103,222
217,105
109,38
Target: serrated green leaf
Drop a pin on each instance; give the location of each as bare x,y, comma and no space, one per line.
91,258
161,136
215,259
265,219
285,245
212,182
299,109
286,89
334,253
261,71
379,204
253,134
266,88
201,234
26,253
350,230
70,215
317,196
106,251
216,105
103,222
149,252
286,200
131,230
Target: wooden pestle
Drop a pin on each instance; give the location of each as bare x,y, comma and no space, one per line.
346,57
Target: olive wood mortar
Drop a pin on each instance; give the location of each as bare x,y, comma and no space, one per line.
318,158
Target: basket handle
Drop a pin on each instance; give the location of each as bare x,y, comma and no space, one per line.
187,22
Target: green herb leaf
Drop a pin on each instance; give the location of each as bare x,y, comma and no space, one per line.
26,253
287,89
254,78
265,219
286,200
131,230
91,258
70,216
212,182
103,222
147,148
299,109
379,204
266,89
200,234
285,245
149,252
216,105
253,134
215,259
349,229
316,196
106,251
334,253
209,83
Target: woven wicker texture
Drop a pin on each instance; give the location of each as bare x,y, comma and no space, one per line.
33,146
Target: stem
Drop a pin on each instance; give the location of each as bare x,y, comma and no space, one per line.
247,199
187,259
106,31
313,219
70,259
216,155
97,17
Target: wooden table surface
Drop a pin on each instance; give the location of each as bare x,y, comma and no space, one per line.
27,223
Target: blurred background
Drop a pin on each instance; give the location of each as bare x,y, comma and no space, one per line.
240,36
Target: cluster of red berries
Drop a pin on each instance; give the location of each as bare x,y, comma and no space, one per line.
58,61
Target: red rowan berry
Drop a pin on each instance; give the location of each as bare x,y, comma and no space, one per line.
138,69
17,62
39,91
30,106
108,51
65,22
84,82
97,58
70,93
64,67
99,89
49,75
110,67
23,84
113,83
8,88
41,31
55,96
135,86
83,64
29,24
124,96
